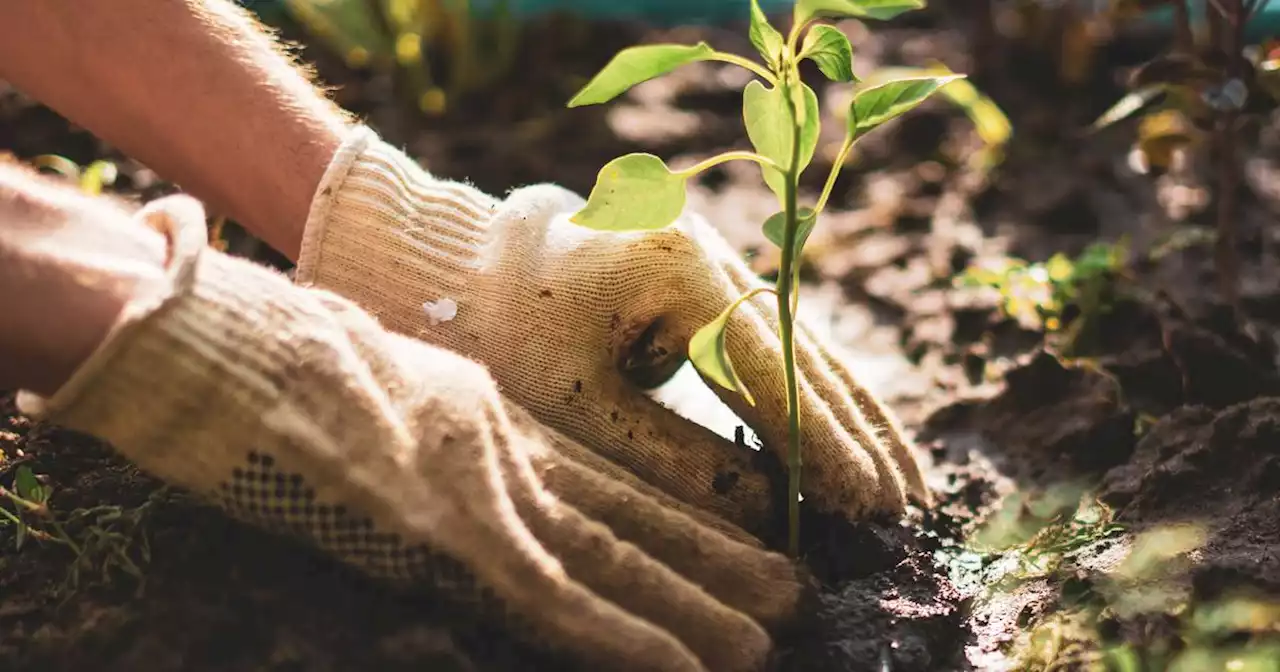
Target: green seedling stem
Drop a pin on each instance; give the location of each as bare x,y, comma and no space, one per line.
786,328
639,192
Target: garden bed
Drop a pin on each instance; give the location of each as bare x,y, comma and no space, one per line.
1172,418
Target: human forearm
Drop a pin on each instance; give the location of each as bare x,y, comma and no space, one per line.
193,88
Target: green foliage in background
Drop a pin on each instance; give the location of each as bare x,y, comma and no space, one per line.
439,48
1039,294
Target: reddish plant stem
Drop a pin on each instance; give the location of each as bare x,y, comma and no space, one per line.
985,35
1183,40
1231,37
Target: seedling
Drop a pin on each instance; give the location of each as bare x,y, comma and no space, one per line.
639,192
1038,295
438,48
104,539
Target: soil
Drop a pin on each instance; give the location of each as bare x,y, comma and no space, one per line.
1171,416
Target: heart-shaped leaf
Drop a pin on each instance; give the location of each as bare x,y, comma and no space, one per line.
633,193
830,50
767,40
776,226
879,99
769,127
710,356
861,9
637,64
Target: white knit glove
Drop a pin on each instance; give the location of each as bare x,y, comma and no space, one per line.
555,311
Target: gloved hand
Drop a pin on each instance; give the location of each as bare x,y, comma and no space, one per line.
557,313
295,410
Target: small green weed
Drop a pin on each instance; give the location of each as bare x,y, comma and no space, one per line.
1039,294
1051,535
1031,535
103,539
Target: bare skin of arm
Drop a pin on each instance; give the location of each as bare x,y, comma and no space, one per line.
195,89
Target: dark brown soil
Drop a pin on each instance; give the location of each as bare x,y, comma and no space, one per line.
1184,426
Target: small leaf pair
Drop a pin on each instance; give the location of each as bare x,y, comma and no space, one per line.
826,46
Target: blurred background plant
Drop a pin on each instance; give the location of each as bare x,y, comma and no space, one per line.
1215,77
1217,74
92,178
1064,297
442,49
1209,85
437,49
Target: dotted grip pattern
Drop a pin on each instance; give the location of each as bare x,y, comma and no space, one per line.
264,495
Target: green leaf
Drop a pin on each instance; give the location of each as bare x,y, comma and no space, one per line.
767,40
1127,106
775,228
97,175
830,50
709,355
637,64
993,126
879,99
633,193
769,127
882,10
26,484
987,117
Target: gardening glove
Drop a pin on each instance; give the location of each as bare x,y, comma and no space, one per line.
297,411
560,314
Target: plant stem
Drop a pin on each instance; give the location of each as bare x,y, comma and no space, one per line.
1182,36
984,36
835,172
786,285
745,63
1229,168
34,507
793,39
727,157
66,538
11,516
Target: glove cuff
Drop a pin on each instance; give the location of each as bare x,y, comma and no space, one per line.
380,226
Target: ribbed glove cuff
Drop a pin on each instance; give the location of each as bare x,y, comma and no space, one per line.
382,226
